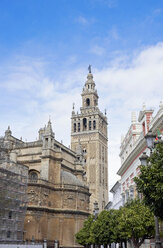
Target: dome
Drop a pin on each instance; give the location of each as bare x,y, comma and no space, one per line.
69,178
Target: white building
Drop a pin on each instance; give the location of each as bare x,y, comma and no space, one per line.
133,145
116,203
117,197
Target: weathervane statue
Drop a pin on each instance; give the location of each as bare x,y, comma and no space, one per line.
89,68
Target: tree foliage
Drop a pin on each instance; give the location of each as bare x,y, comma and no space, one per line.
133,222
150,181
136,222
83,236
102,230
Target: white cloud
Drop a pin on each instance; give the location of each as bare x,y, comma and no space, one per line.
82,20
109,3
122,88
21,74
157,12
85,22
114,33
97,50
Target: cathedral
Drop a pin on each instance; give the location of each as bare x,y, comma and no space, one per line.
64,183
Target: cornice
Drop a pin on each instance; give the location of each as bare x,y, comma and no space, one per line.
64,148
29,154
93,92
64,187
131,157
67,168
90,132
51,157
84,132
29,145
31,161
59,211
94,111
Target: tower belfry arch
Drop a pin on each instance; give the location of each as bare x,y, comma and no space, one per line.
90,126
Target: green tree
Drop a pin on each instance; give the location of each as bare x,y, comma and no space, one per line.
118,236
136,223
150,182
83,236
102,229
105,229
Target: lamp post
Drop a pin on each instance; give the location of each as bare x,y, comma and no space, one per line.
150,140
95,213
143,159
96,209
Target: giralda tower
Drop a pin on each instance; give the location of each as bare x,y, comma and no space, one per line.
90,128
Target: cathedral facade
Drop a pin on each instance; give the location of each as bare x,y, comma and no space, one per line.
64,183
57,194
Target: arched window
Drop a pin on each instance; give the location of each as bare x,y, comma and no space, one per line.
74,127
10,215
84,150
33,176
90,123
94,124
79,127
87,102
46,142
84,124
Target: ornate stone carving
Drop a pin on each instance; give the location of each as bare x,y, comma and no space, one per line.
33,197
69,200
37,197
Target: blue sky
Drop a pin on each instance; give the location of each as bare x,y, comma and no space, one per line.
64,29
46,47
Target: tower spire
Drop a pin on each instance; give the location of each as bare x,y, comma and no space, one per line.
89,94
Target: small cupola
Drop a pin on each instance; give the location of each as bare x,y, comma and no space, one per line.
89,84
89,94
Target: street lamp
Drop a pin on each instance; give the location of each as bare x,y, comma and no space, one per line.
143,159
150,140
95,213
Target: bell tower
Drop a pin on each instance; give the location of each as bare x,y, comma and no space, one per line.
90,127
